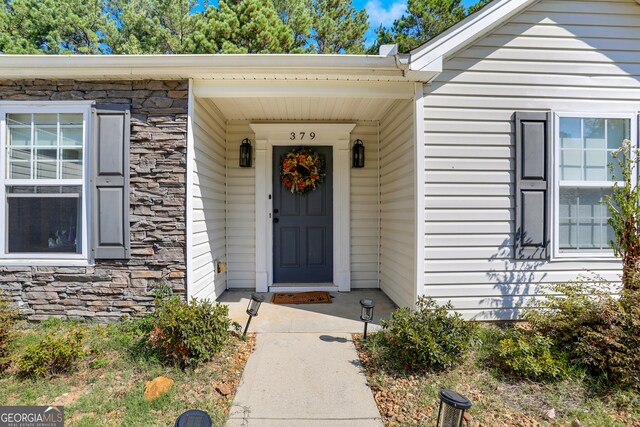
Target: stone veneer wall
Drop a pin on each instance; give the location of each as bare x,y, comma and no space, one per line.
112,289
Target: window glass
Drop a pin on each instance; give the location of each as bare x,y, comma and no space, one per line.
19,136
43,222
586,146
52,146
583,218
71,136
47,217
20,163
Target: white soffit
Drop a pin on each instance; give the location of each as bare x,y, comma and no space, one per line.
302,89
430,56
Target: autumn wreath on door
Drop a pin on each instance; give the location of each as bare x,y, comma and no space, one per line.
302,169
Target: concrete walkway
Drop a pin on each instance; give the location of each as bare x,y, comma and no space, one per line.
304,379
305,370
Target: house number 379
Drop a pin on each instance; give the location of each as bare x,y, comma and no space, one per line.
295,135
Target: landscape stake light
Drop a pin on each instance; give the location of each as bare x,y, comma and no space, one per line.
452,408
245,153
252,308
366,313
358,154
193,418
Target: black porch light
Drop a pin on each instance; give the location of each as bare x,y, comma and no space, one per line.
366,313
252,308
245,153
452,408
358,154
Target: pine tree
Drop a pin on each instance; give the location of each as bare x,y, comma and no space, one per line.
297,15
243,26
424,20
338,27
52,26
152,26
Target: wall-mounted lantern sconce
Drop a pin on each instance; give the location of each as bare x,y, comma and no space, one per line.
252,309
358,154
452,408
366,313
245,153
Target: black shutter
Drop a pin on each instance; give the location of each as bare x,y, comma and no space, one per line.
110,182
532,192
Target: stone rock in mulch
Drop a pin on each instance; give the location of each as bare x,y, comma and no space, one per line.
576,423
468,417
223,389
157,387
551,414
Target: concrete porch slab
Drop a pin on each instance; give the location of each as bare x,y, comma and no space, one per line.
341,316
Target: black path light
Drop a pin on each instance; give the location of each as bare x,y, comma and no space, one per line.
193,418
245,153
252,309
366,313
358,154
452,408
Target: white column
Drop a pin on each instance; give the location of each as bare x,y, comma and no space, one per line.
342,216
262,213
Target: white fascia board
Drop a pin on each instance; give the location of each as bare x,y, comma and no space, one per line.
191,66
431,55
302,89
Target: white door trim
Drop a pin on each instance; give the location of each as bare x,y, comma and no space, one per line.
336,135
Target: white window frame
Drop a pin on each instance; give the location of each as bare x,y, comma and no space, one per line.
46,107
578,254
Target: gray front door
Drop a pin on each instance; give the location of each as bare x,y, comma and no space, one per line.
303,226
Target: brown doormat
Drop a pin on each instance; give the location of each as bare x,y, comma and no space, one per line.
302,298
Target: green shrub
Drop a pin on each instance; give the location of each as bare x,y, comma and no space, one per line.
530,355
427,337
598,331
8,319
132,336
186,334
58,352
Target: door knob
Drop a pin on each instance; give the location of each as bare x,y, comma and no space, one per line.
276,220
276,211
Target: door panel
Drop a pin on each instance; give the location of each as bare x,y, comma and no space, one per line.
303,226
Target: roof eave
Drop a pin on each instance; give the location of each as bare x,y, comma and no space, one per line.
192,66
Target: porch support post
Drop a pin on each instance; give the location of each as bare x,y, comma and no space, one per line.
342,215
262,207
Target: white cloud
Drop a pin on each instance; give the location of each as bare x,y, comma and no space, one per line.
379,14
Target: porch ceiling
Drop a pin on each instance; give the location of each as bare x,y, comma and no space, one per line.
303,109
304,99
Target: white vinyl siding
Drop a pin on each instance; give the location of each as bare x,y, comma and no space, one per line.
241,223
365,211
209,201
241,238
577,56
397,201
